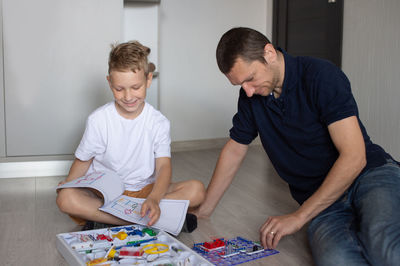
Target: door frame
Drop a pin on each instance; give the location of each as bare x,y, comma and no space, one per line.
279,27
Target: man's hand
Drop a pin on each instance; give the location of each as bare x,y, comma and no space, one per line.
151,208
201,213
278,226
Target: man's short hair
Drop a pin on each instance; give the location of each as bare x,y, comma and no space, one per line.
245,43
130,55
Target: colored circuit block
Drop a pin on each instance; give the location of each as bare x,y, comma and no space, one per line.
136,232
149,231
96,261
237,251
103,237
120,235
216,244
127,252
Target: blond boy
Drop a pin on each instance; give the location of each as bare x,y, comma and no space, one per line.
131,138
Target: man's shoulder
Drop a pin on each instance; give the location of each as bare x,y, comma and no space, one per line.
315,72
314,66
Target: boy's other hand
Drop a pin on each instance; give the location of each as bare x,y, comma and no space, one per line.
61,183
151,208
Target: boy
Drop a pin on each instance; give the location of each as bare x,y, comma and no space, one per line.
129,137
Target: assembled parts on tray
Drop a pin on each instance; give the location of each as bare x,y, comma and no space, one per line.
133,244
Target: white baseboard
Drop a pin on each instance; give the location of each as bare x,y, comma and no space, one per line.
203,144
49,166
34,168
193,145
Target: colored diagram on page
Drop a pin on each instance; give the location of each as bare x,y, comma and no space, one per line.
127,207
88,179
172,216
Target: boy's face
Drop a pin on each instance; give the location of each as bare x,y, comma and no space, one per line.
129,90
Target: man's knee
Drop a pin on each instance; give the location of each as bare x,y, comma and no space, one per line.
376,199
383,246
331,253
334,244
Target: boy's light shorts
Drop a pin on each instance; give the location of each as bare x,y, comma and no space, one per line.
142,194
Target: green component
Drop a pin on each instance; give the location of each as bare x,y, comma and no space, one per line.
149,231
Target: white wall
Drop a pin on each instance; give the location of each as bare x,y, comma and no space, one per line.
194,95
371,45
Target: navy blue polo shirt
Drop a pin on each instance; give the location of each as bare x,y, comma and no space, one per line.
294,127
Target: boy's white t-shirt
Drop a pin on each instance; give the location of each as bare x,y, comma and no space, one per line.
124,146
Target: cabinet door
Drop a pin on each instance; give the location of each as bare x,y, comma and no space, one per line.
2,125
55,67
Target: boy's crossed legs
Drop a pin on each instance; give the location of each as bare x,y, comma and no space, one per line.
83,204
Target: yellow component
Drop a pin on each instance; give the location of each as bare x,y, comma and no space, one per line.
155,248
96,261
111,254
120,235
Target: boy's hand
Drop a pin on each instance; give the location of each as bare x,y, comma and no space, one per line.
62,182
151,208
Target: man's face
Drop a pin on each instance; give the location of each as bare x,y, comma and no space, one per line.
129,90
254,77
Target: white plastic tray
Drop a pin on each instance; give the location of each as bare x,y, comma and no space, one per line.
76,252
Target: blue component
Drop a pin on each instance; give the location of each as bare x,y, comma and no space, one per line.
136,232
116,229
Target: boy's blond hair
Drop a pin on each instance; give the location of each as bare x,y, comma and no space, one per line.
130,55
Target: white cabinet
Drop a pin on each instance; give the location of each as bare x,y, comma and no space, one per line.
2,125
55,67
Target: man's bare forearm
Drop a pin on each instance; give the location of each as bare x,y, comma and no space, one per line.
228,164
339,178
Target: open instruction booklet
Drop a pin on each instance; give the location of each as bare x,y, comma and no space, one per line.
173,212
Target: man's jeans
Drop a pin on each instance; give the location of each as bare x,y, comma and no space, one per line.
363,226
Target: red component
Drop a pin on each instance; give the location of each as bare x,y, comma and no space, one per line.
207,245
131,253
103,237
217,243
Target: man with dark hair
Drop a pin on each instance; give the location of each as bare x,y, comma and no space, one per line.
307,119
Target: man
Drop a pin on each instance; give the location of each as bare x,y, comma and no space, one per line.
307,119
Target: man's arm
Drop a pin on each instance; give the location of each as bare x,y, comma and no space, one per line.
163,180
228,164
349,141
78,169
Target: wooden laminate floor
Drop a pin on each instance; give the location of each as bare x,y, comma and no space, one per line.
30,219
